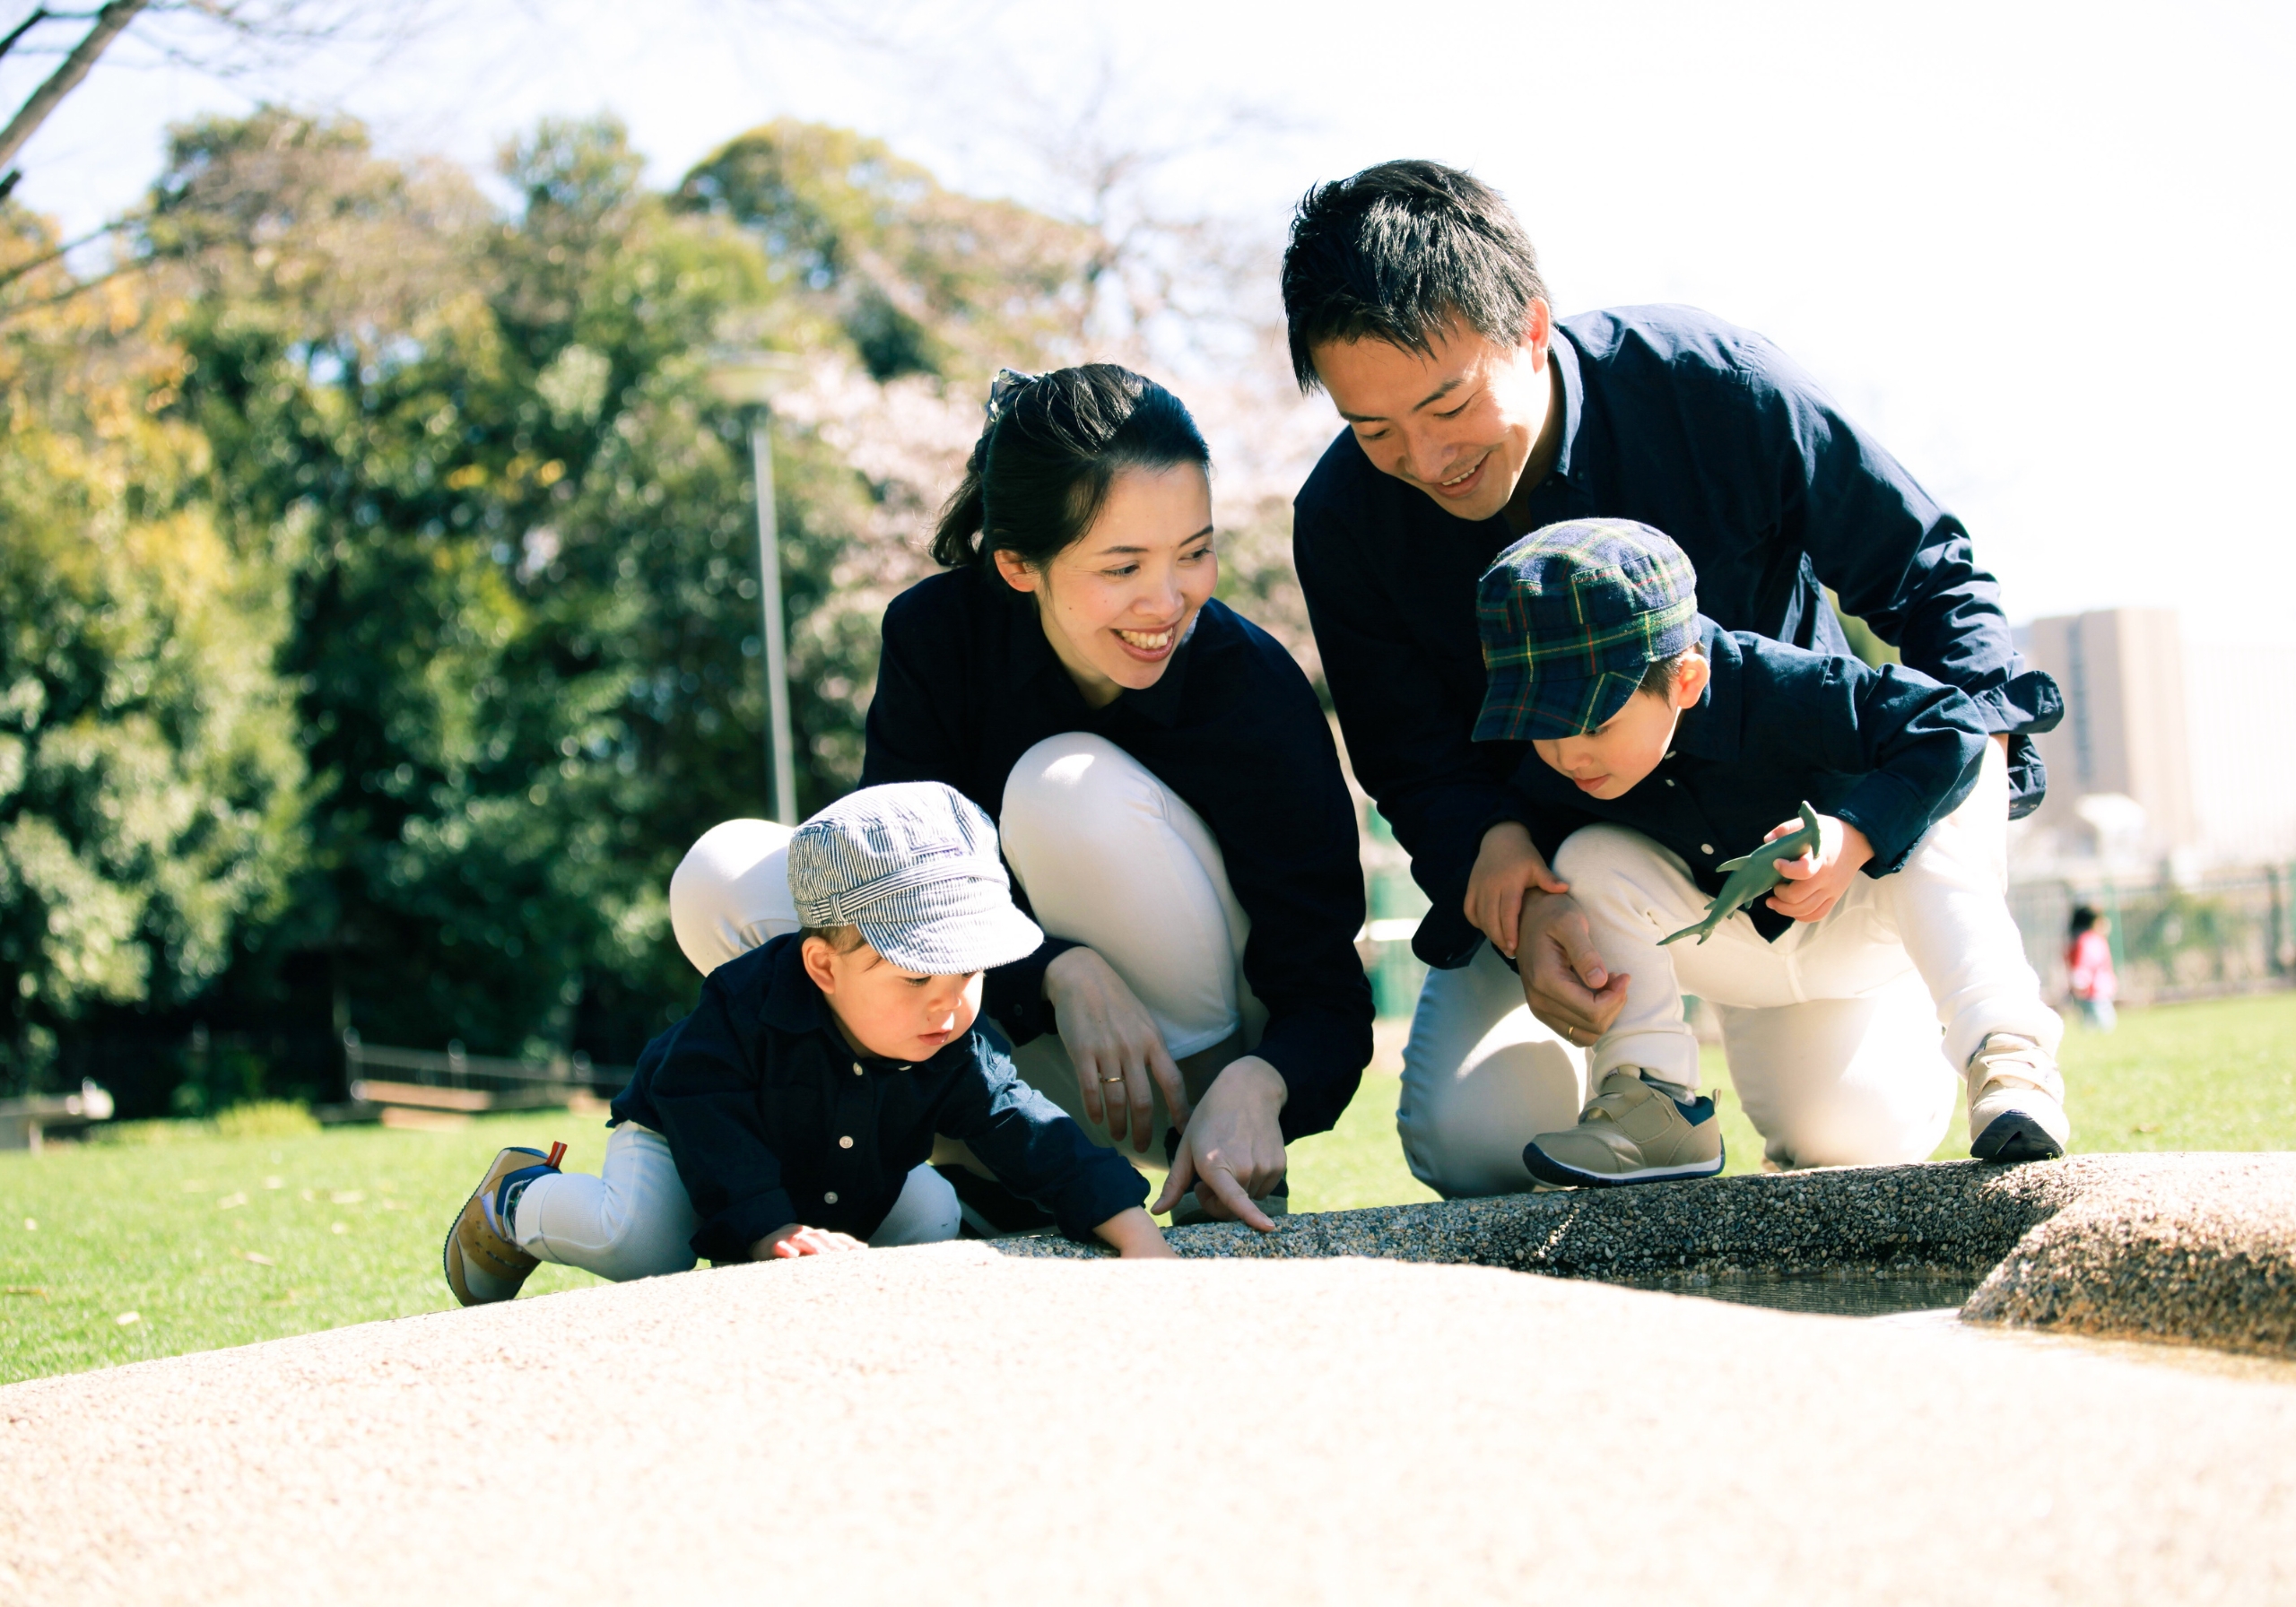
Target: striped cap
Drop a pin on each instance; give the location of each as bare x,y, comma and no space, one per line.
1571,616
914,867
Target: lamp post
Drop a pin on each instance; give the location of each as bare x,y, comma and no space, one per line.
751,380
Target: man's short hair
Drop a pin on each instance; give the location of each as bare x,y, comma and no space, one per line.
1398,252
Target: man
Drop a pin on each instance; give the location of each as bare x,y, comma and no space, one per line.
1475,416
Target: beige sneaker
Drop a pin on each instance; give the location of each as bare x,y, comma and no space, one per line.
481,1265
1630,1132
2016,1101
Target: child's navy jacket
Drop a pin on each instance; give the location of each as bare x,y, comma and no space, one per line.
773,1119
1888,750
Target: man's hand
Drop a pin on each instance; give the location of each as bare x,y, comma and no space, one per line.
1507,869
1565,982
1815,881
1115,1045
787,1243
1133,1235
1232,1149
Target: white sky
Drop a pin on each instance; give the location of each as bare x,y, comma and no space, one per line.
2042,251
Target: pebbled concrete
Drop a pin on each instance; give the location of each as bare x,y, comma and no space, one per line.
2196,1248
948,1424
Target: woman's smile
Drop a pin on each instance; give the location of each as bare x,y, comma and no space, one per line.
1150,647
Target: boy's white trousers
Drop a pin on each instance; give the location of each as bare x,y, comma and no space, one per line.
1110,857
1831,1032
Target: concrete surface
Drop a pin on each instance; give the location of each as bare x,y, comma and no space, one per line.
2196,1248
947,1424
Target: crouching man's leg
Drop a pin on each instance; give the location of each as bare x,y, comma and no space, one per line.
1647,1122
1480,1074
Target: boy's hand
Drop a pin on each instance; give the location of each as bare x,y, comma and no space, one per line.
1815,881
1115,1045
1134,1236
1508,868
1231,1151
789,1243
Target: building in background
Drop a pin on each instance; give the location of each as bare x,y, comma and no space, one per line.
2120,765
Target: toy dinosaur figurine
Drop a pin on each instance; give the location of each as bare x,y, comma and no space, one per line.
1752,876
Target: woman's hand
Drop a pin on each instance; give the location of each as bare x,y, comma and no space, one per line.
1815,881
1507,869
1133,1235
787,1243
1232,1149
1115,1045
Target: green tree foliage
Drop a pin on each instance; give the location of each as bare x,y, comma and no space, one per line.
522,632
148,783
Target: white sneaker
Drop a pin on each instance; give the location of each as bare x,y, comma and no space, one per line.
2016,1101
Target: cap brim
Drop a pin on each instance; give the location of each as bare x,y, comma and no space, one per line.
956,946
1517,710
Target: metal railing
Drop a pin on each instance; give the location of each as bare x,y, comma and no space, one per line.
2227,933
456,1068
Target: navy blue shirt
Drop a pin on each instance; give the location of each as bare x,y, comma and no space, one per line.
773,1118
966,684
1887,750
1706,433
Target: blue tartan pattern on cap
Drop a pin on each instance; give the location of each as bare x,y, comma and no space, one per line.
1571,617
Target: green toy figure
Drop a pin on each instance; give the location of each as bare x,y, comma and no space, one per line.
1752,876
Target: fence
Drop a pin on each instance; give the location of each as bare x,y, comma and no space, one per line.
2228,933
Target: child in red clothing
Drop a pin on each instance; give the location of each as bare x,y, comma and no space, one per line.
2089,967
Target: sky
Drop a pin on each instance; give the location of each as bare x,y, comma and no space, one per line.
2040,250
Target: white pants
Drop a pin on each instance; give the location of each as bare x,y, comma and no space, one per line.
1832,1033
634,1221
1110,857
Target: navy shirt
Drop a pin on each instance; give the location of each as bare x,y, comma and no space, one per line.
966,684
772,1118
1888,750
1700,430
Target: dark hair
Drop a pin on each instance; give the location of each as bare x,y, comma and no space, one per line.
841,940
2085,918
1398,251
1659,676
1054,444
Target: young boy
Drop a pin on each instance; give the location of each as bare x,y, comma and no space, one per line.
792,1113
1663,747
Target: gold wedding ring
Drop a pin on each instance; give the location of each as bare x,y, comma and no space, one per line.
1118,1077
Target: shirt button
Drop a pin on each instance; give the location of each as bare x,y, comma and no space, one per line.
857,1068
1706,848
1670,781
829,1198
845,1143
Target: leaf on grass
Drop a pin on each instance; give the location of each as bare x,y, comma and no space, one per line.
258,1257
230,1202
275,1183
31,1226
193,1186
338,1227
33,1290
128,1318
348,1196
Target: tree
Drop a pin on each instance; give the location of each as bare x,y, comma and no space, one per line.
149,785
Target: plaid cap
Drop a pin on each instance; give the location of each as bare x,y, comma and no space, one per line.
1571,616
914,867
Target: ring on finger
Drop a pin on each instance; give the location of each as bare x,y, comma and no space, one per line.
1118,1077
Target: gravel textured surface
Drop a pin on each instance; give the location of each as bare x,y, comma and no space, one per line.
2199,1248
2194,1248
951,1424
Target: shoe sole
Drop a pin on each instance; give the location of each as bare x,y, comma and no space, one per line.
1555,1175
2013,1137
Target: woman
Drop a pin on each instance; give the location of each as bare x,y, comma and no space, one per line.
1164,782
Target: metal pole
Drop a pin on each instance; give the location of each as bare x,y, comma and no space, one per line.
781,760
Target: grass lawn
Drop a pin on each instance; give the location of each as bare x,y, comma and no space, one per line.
113,1252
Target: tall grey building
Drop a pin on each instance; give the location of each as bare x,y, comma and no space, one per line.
2125,731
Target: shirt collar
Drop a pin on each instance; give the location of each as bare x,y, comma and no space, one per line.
1708,729
1565,358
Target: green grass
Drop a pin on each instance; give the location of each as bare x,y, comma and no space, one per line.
347,1223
